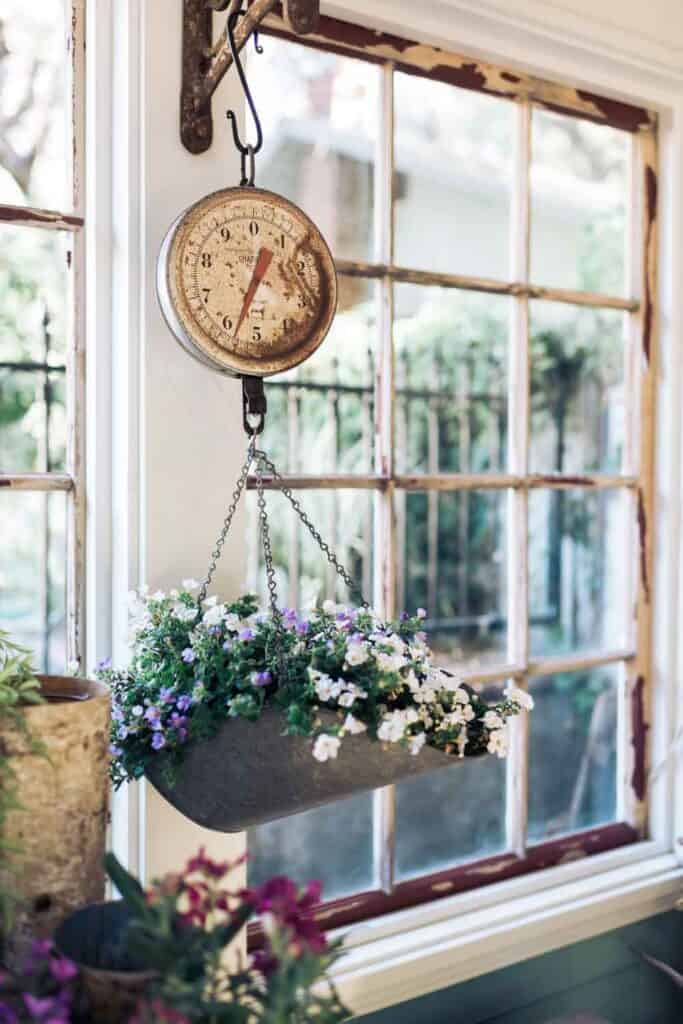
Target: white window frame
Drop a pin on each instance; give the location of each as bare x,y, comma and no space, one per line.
415,951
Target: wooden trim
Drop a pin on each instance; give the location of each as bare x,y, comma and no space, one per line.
445,482
465,877
406,275
425,61
36,482
29,217
578,662
638,688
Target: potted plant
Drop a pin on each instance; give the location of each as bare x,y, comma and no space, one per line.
53,794
176,933
240,717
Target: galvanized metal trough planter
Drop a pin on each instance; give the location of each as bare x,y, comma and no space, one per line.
250,773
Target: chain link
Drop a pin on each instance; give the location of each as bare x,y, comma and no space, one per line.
325,548
227,522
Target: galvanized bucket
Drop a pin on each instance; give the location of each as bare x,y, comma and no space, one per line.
250,773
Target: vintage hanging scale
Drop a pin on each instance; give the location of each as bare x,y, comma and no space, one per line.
247,285
245,279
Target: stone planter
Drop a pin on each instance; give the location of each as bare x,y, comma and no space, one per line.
61,826
94,939
249,773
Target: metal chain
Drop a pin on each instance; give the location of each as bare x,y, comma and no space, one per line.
325,548
265,541
227,522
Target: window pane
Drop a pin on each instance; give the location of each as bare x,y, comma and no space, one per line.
34,292
319,145
579,193
451,562
320,415
573,751
35,161
577,389
331,843
451,380
450,815
578,569
304,575
32,574
453,173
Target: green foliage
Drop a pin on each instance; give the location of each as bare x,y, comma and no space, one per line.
18,689
192,668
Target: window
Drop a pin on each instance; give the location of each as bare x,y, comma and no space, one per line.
474,437
41,348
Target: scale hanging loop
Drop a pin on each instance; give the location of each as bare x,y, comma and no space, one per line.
247,151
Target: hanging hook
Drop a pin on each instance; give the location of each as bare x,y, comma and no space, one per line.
245,150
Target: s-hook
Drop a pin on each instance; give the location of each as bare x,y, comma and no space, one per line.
246,150
254,405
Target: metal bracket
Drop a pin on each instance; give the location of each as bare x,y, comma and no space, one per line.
254,405
205,62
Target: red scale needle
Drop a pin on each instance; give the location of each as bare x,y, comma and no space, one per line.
262,263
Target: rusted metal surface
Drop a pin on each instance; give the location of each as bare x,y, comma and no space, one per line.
225,783
204,63
595,300
465,877
479,76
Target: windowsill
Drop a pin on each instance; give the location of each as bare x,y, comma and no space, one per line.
414,952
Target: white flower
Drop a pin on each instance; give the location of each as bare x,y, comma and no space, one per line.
329,607
191,585
521,697
421,613
353,725
389,662
460,715
325,687
325,747
394,725
346,699
356,652
417,743
214,615
461,696
498,743
492,720
233,622
210,601
175,594
73,668
462,741
183,613
158,595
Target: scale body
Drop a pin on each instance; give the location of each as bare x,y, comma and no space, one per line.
246,282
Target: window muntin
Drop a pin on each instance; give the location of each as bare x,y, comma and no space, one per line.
41,340
492,434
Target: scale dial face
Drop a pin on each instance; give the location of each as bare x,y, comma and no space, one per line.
246,282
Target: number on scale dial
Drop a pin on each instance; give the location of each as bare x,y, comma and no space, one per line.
246,282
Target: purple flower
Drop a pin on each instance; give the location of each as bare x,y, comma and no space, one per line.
183,702
227,645
289,617
103,665
188,655
302,627
215,631
40,1008
246,634
404,616
62,969
261,678
153,717
178,721
158,741
117,713
122,732
166,695
115,750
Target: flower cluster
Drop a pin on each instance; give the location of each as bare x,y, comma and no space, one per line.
41,991
180,927
192,667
